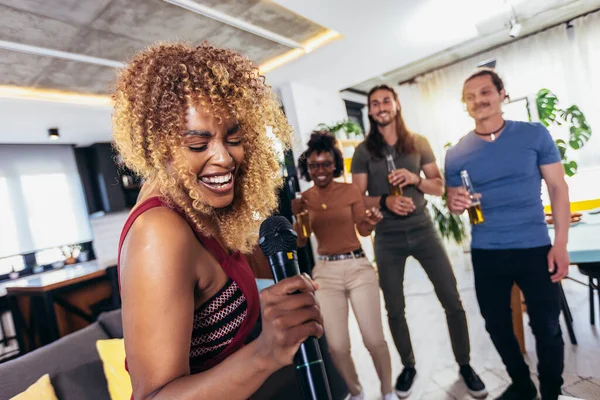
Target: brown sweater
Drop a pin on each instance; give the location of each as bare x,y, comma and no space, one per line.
334,227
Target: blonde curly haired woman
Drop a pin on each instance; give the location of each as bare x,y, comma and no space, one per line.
192,122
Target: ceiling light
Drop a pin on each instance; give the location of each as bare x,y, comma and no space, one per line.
278,61
42,51
235,22
53,134
54,96
307,47
320,40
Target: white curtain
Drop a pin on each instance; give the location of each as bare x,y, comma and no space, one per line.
564,60
41,199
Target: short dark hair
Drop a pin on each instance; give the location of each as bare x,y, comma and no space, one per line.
321,141
496,80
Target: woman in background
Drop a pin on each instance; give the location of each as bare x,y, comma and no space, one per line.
336,210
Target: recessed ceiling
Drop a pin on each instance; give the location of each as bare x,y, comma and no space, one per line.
117,29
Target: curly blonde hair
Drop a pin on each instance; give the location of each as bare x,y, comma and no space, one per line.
151,98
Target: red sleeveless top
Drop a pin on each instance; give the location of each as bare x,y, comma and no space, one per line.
223,323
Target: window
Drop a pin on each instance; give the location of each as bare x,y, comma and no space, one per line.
49,205
42,205
9,239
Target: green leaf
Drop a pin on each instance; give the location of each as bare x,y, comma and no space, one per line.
546,102
580,130
347,125
570,167
562,148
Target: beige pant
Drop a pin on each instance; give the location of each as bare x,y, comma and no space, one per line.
353,279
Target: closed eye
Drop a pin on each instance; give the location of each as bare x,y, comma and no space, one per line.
233,136
198,148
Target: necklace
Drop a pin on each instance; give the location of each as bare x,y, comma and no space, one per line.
325,200
492,135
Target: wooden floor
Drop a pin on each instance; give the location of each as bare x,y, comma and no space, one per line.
437,370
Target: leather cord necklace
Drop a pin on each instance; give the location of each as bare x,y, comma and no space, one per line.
492,135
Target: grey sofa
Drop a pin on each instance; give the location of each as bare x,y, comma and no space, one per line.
76,370
72,362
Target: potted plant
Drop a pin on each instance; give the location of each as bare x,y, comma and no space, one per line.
345,129
451,226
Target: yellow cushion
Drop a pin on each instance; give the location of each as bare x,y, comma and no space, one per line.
41,390
112,353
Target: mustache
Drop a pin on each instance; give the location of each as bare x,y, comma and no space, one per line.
480,105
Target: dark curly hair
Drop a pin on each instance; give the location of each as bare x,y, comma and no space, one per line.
321,141
153,93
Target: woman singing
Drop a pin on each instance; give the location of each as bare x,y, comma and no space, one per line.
192,122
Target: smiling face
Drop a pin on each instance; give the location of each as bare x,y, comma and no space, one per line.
321,167
482,98
382,107
213,150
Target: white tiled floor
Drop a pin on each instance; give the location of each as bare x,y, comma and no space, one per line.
438,373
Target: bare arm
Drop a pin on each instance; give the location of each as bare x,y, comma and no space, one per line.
397,204
158,281
433,183
364,219
361,181
558,258
554,175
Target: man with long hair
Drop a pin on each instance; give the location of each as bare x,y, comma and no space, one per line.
506,161
407,229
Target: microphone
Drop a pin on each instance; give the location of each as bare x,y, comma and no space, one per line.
278,243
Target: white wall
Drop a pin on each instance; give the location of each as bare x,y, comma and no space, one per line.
28,121
305,108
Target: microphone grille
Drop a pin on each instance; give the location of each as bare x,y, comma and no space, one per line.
277,234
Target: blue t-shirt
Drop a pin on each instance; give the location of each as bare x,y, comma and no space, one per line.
507,174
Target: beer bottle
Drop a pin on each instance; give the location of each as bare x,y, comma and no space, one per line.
395,190
475,213
303,221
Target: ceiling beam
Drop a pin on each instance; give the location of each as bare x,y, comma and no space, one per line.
235,22
45,52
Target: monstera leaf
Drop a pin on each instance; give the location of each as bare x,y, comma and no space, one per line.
580,130
450,226
562,148
570,167
547,107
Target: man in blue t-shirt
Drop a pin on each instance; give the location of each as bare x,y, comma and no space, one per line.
506,161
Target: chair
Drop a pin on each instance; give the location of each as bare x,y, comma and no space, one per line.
592,271
564,305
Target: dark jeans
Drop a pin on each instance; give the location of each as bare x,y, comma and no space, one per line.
495,273
423,242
